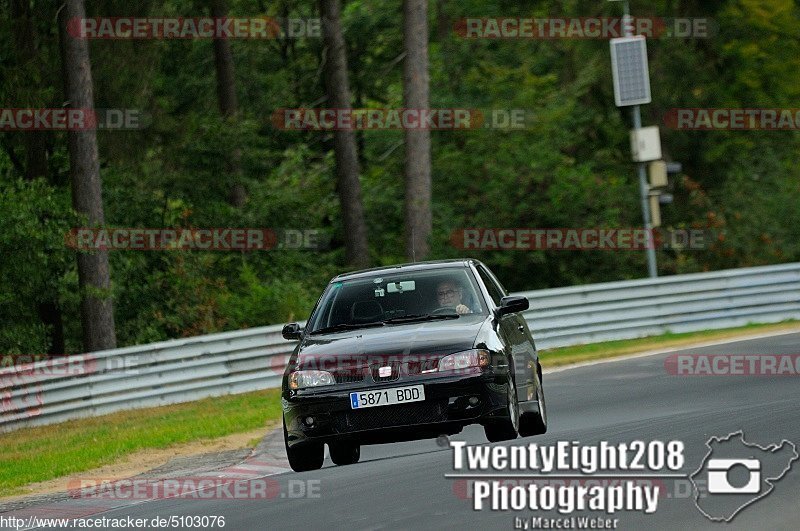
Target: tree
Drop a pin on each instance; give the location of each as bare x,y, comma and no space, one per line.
94,277
24,33
228,103
418,142
348,169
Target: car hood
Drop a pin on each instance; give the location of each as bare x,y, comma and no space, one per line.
430,338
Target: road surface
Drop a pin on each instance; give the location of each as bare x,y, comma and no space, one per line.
403,486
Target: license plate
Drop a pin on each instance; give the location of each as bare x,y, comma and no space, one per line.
387,397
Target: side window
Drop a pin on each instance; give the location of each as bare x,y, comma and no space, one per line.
503,290
491,286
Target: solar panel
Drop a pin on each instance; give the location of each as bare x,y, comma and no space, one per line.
630,70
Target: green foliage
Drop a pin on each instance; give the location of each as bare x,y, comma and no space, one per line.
272,300
36,219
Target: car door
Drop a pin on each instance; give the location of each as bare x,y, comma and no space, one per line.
516,335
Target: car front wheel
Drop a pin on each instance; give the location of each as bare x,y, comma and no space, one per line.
506,429
304,456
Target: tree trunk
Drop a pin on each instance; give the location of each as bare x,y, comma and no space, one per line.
418,142
444,25
228,104
97,310
346,152
223,60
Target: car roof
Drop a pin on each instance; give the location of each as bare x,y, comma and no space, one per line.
415,266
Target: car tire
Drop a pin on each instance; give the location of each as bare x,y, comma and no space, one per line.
535,423
506,429
303,456
345,453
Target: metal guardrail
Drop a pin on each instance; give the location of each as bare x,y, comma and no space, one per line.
190,369
682,303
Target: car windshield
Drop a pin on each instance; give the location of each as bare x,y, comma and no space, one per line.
390,298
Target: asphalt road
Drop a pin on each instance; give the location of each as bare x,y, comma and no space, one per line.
403,486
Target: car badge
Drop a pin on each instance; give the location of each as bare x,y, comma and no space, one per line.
383,372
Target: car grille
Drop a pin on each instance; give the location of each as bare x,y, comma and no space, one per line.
390,416
349,376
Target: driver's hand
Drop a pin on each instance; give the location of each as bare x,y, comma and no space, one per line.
462,309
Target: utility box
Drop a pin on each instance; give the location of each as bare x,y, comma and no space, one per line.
655,210
658,174
646,144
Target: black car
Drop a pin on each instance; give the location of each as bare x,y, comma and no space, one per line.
409,352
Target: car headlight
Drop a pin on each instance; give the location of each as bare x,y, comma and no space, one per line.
464,360
300,379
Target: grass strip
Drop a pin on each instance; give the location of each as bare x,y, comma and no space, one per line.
612,349
31,455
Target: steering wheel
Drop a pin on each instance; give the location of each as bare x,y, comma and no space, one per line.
444,310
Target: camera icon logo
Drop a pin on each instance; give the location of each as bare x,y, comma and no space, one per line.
735,474
720,469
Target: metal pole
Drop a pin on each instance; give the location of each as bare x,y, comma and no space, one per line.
644,187
644,196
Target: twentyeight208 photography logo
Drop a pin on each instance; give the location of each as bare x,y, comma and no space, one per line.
608,479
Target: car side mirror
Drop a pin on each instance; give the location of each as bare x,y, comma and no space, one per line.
512,304
292,331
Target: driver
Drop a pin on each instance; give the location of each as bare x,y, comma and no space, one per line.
449,295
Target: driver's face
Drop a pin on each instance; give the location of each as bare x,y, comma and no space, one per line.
448,294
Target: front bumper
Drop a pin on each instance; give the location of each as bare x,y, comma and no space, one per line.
445,410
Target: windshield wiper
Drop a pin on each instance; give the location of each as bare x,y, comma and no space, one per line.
425,317
345,326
